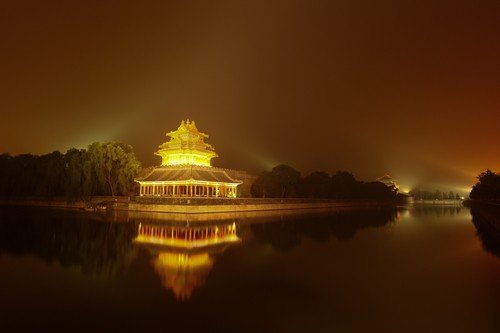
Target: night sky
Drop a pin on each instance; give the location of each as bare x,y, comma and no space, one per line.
410,88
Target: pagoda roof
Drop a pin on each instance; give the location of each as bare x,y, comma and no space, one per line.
186,145
188,173
386,177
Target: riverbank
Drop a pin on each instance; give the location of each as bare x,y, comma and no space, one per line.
91,204
191,205
208,205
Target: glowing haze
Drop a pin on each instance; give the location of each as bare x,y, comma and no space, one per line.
409,88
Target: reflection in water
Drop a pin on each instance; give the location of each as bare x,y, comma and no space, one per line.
346,271
486,219
435,210
182,255
343,225
92,243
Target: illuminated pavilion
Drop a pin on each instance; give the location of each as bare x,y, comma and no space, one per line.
186,169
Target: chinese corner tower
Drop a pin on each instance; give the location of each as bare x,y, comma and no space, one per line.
186,169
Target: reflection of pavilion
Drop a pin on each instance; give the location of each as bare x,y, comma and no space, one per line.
185,255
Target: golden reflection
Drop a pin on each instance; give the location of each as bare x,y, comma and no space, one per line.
185,255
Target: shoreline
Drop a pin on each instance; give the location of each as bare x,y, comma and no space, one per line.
204,206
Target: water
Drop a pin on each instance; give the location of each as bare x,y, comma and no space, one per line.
384,270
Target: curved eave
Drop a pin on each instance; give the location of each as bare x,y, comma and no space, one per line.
188,174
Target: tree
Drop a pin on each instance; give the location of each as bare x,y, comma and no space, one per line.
281,182
438,195
114,165
287,179
79,175
263,187
344,185
315,185
50,174
487,187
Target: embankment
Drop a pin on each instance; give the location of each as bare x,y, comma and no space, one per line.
192,205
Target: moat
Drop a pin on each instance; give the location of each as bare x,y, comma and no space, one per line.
388,269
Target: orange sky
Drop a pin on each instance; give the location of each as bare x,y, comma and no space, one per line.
405,87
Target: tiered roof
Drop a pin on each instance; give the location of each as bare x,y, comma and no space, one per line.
188,173
186,146
388,181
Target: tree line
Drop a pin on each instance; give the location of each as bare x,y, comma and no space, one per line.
487,186
283,181
419,194
102,169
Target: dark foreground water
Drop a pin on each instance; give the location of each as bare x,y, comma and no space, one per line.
384,270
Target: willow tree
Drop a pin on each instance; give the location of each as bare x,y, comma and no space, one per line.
115,166
79,174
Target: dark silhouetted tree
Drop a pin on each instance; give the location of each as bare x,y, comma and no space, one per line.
281,182
344,185
487,187
115,165
315,185
105,168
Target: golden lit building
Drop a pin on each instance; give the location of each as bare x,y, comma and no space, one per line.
186,169
185,255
